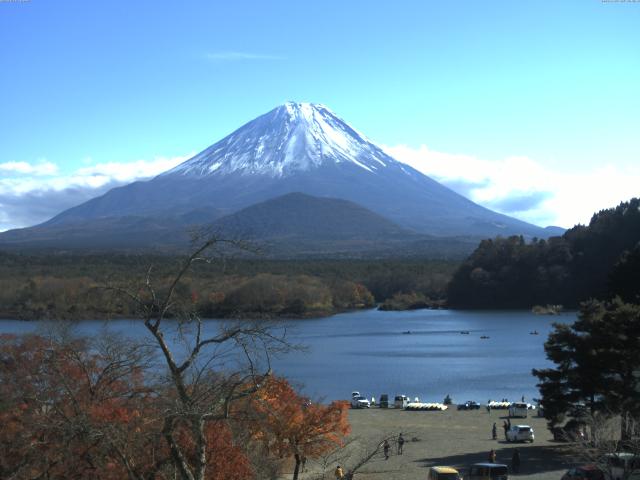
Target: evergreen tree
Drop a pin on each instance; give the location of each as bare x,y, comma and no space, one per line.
597,362
625,277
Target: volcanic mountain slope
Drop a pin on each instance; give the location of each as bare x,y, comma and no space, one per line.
297,147
290,226
300,147
297,215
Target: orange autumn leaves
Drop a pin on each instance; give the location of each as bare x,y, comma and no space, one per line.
70,412
292,426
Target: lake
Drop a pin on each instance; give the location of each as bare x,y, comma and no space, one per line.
369,351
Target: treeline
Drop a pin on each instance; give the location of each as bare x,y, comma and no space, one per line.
596,261
77,286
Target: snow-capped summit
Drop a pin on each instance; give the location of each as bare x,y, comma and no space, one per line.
296,147
291,137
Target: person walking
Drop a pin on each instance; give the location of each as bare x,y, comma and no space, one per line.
400,443
515,461
385,448
492,456
494,431
339,473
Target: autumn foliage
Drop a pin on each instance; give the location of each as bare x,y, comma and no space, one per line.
74,409
294,427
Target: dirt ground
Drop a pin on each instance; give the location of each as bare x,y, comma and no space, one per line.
452,438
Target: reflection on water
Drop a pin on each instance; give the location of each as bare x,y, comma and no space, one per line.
372,351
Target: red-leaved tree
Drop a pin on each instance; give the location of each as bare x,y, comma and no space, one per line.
294,427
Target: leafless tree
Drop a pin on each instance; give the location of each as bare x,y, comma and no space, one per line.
602,445
208,370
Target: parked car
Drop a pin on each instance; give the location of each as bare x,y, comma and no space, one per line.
488,471
359,401
520,433
401,401
574,430
443,473
518,409
469,405
585,472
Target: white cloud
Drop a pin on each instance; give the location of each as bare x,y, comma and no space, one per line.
123,172
42,168
35,195
525,188
517,186
238,56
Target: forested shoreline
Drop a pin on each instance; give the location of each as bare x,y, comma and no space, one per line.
67,286
601,260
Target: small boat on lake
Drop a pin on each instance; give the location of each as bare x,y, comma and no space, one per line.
484,337
535,332
408,332
464,332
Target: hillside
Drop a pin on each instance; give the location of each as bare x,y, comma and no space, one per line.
290,226
593,261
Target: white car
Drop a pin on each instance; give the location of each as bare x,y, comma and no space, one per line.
359,401
520,433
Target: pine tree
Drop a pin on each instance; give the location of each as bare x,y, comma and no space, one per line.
597,362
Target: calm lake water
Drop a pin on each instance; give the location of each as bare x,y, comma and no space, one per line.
368,351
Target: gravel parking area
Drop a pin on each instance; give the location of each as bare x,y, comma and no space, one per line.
452,438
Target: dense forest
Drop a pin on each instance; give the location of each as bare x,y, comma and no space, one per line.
600,260
70,286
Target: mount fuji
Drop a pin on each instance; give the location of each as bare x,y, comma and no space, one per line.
296,147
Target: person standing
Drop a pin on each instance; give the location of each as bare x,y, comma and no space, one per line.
339,473
492,456
385,448
494,431
400,443
515,461
505,427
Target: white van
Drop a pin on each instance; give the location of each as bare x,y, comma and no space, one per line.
518,409
401,401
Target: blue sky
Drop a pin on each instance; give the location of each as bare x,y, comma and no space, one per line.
523,106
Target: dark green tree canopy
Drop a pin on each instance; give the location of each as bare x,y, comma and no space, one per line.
596,261
597,362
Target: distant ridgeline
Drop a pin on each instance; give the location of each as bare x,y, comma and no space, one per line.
600,260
